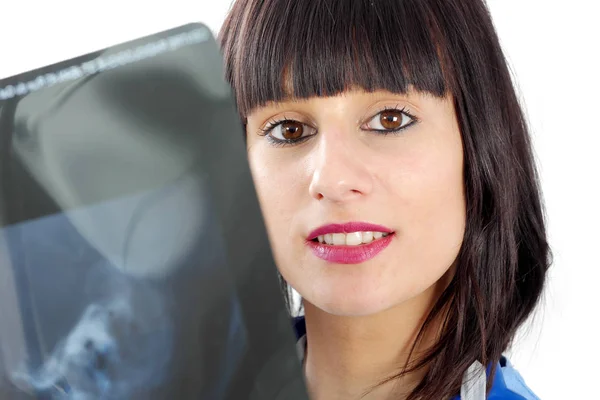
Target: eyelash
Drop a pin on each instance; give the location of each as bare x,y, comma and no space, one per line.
403,110
278,142
272,124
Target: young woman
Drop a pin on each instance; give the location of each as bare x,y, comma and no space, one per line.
395,172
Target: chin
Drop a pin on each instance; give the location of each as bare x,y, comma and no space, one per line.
357,303
352,310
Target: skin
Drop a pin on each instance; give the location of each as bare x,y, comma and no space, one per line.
362,318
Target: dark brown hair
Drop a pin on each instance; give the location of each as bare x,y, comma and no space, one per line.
274,49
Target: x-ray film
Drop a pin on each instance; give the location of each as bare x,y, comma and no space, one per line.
134,262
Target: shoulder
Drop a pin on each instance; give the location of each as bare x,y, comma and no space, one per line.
509,384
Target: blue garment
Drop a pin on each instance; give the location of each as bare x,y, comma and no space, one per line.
507,385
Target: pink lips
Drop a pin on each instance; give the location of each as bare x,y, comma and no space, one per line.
349,254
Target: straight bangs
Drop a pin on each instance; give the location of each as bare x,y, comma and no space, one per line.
291,49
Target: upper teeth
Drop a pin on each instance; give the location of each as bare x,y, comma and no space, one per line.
350,239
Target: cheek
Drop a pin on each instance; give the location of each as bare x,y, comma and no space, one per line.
278,185
438,191
432,206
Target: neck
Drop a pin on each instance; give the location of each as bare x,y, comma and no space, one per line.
348,356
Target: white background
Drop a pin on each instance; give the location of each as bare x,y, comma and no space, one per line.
552,47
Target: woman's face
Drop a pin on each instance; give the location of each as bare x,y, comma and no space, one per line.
362,195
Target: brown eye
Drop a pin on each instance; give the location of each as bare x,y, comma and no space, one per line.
292,130
391,119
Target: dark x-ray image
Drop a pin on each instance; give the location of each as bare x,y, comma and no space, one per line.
134,263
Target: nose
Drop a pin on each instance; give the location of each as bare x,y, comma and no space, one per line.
340,173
